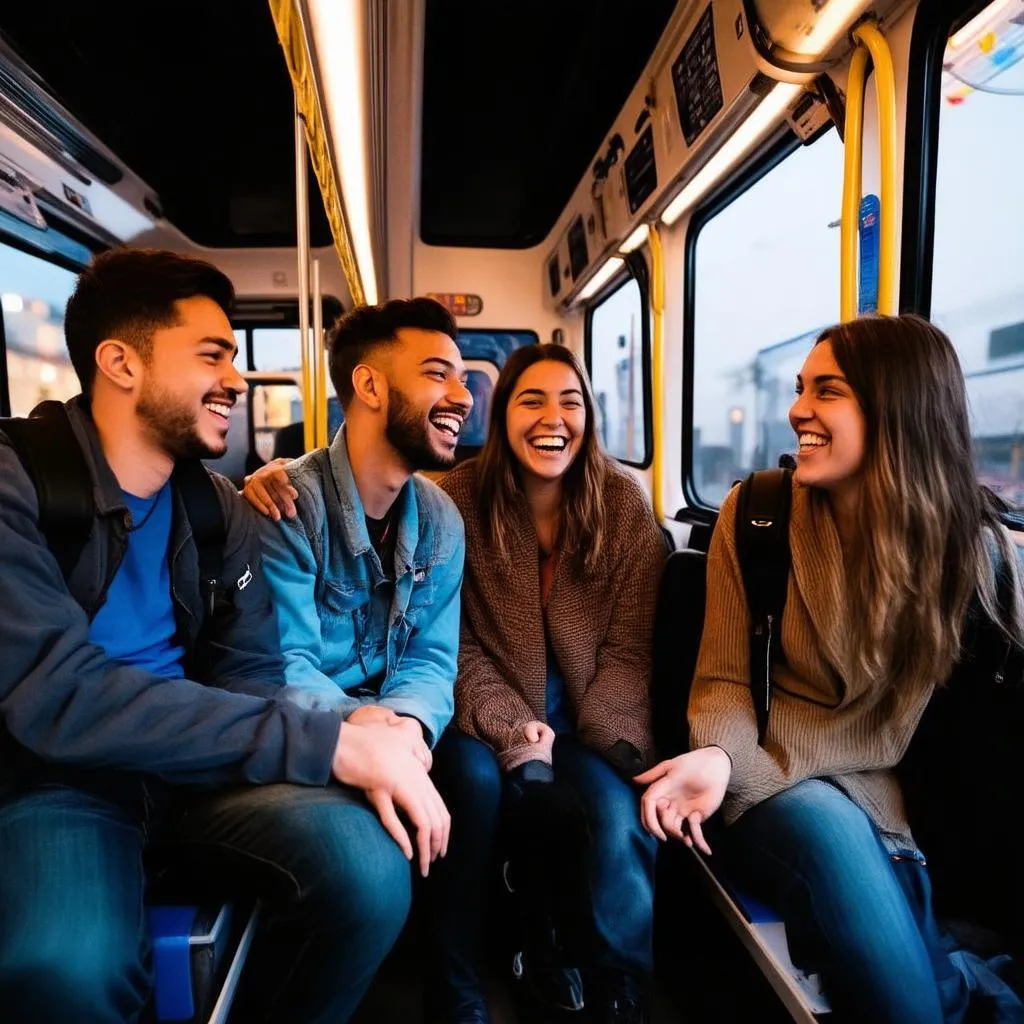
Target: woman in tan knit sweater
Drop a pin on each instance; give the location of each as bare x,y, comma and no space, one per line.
891,537
563,560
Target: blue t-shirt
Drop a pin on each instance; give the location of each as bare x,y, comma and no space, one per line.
136,623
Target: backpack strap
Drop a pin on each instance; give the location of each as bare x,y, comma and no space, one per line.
762,544
48,448
206,519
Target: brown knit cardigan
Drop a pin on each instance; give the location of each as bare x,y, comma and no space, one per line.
600,627
819,726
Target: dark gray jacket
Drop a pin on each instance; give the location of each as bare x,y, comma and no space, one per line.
63,702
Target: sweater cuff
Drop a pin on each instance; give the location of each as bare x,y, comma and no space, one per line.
520,754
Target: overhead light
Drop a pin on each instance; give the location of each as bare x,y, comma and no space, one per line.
635,240
339,37
761,119
12,302
601,278
831,23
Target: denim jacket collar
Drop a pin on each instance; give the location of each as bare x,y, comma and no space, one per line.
353,515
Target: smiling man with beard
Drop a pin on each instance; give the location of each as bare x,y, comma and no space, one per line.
366,565
135,715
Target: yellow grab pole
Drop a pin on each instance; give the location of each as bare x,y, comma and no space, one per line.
869,35
657,368
319,360
853,133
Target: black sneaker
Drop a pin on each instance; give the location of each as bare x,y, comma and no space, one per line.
551,988
619,1001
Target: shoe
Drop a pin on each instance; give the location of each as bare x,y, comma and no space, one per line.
553,988
619,1001
470,1013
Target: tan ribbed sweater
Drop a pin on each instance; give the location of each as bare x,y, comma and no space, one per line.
600,627
819,725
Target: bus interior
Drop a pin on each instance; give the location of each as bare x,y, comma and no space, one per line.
683,192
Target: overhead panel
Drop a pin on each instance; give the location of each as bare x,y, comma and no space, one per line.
707,75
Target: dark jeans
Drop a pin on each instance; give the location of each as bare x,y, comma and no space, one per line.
619,862
853,912
73,944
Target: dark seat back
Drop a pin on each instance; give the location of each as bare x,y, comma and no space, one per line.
678,623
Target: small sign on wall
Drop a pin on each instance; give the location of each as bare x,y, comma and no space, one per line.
458,303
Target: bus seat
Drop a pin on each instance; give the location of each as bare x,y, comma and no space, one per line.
198,954
678,623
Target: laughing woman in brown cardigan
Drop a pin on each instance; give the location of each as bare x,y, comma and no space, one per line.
563,559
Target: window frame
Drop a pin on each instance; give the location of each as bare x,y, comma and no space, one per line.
933,25
776,148
635,269
252,313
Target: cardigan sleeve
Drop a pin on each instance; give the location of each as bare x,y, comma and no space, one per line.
617,705
489,708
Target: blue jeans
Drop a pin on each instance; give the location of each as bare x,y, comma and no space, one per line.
619,860
854,913
73,943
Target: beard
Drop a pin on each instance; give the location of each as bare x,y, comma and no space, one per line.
408,431
173,424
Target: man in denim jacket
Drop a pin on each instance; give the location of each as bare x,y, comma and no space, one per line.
366,565
123,726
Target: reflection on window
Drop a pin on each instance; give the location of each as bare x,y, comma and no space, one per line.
34,294
617,373
766,282
978,276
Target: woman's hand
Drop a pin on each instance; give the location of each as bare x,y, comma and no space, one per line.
683,793
542,736
270,492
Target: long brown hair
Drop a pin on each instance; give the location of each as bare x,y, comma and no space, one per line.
582,518
925,526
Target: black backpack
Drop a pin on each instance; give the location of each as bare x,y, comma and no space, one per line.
48,448
762,545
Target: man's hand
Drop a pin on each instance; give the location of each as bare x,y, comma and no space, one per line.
270,492
374,714
377,759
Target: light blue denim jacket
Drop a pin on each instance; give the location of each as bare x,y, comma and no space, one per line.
349,636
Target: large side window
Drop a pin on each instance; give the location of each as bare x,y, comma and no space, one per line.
978,258
33,294
617,356
765,280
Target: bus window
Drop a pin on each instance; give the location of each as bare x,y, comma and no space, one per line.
978,270
766,281
276,348
33,295
616,358
493,348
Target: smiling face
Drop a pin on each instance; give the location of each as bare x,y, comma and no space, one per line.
829,423
189,383
427,397
546,419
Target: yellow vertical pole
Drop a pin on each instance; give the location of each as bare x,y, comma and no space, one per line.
657,369
853,134
869,35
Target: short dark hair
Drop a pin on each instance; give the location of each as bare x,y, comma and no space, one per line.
355,333
128,294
